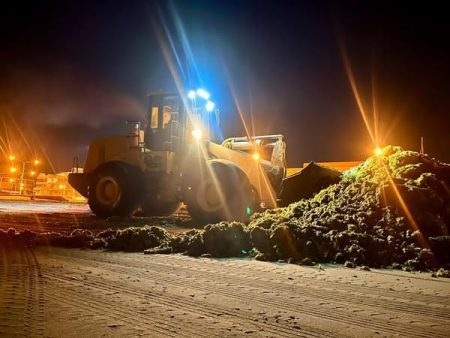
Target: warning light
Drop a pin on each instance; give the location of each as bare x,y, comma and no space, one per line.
191,94
210,106
203,93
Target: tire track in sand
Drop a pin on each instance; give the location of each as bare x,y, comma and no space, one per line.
22,300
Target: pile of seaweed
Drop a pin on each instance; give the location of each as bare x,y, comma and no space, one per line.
132,239
393,210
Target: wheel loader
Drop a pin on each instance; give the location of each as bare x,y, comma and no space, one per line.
173,160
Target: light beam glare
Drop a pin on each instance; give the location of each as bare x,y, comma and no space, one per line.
404,206
21,133
375,112
236,102
186,46
356,94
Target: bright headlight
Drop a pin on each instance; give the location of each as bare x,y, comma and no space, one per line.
197,133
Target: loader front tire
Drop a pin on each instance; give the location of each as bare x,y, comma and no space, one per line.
222,193
112,191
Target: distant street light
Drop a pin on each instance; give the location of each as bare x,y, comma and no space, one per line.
12,157
32,172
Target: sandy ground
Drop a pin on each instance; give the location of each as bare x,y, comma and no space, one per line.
57,292
65,292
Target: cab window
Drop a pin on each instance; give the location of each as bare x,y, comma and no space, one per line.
154,119
167,116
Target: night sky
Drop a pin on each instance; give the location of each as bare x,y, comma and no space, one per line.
71,71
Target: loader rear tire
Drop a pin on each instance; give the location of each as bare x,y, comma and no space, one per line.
112,191
224,193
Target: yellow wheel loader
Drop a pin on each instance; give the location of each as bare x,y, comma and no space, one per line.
173,161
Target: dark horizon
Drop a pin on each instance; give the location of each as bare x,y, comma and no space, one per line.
73,71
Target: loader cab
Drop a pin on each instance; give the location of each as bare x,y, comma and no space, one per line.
165,123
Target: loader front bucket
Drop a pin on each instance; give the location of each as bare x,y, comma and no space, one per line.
307,183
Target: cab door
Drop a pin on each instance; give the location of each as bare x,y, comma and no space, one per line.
165,123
